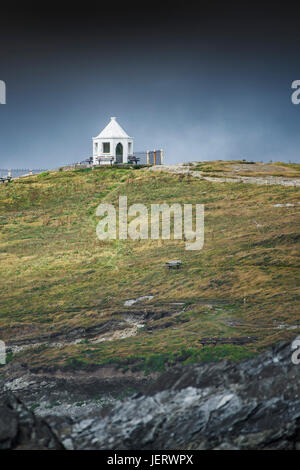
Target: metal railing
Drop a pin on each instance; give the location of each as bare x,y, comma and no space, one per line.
149,157
146,157
16,172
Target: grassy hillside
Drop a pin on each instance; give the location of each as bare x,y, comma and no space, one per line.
56,276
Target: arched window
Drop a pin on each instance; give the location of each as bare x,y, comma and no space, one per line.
119,153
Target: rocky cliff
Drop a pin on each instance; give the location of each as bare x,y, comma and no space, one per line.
254,404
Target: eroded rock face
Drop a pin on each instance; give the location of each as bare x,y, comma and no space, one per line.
250,405
20,429
254,404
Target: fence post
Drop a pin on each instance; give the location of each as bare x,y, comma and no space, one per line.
147,157
154,157
161,157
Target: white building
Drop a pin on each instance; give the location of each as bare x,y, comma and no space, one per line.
112,145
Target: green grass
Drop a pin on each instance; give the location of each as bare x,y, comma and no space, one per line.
56,275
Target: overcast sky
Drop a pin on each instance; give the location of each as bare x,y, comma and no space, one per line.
201,83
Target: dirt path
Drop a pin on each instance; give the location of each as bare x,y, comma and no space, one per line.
132,318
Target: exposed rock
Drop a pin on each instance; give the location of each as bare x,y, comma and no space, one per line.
286,205
73,393
254,404
20,429
129,303
184,169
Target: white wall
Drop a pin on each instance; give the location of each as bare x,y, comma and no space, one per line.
113,144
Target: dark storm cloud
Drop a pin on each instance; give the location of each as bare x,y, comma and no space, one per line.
206,81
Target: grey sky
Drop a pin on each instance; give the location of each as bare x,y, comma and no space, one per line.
200,88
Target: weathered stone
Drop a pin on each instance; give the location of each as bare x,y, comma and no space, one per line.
20,429
254,404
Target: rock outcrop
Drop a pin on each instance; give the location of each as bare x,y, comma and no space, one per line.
254,404
20,429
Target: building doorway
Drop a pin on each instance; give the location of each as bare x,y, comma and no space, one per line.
119,153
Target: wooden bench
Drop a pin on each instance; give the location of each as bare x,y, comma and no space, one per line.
174,264
4,179
133,160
